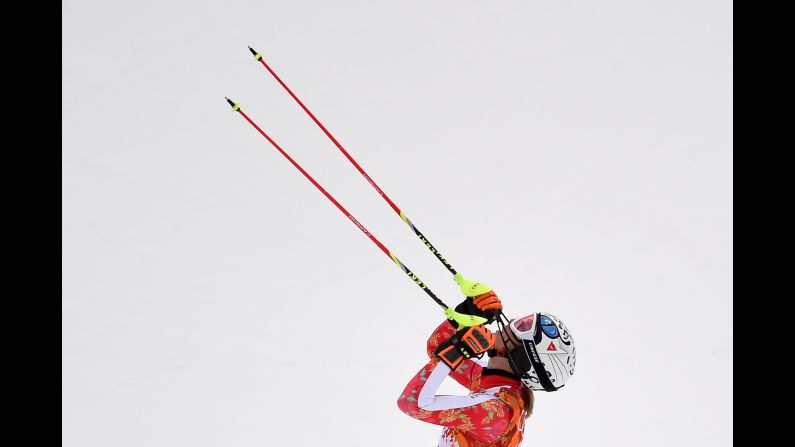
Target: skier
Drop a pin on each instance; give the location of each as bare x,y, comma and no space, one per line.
532,353
535,352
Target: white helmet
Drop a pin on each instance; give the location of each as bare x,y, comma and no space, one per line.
545,361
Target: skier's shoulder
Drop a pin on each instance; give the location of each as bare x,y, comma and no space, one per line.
501,392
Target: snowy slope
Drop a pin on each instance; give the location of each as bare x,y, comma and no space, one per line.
575,155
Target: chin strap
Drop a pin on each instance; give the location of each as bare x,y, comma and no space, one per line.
497,353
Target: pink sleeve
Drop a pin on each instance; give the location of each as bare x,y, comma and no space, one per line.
475,412
469,371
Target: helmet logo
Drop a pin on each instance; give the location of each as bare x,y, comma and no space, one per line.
552,347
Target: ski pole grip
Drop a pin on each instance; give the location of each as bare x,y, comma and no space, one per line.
469,287
464,320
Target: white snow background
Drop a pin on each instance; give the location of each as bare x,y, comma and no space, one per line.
576,155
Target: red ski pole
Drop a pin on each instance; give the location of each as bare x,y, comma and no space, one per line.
424,240
462,319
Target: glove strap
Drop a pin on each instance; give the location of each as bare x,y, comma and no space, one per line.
451,356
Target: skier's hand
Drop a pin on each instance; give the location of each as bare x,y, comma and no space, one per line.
481,300
488,301
466,343
486,305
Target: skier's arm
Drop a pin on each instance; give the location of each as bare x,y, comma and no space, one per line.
468,371
473,412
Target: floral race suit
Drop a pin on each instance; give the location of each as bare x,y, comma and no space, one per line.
491,415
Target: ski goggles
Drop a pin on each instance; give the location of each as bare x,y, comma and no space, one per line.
526,327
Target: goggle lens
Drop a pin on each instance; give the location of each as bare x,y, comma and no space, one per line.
525,324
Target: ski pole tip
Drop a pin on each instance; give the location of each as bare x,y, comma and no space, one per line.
257,56
235,106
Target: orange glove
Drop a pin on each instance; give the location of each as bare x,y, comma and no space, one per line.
466,343
486,305
487,301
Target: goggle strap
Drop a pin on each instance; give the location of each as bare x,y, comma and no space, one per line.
539,367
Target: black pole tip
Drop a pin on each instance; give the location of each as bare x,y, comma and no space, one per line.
231,103
252,51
